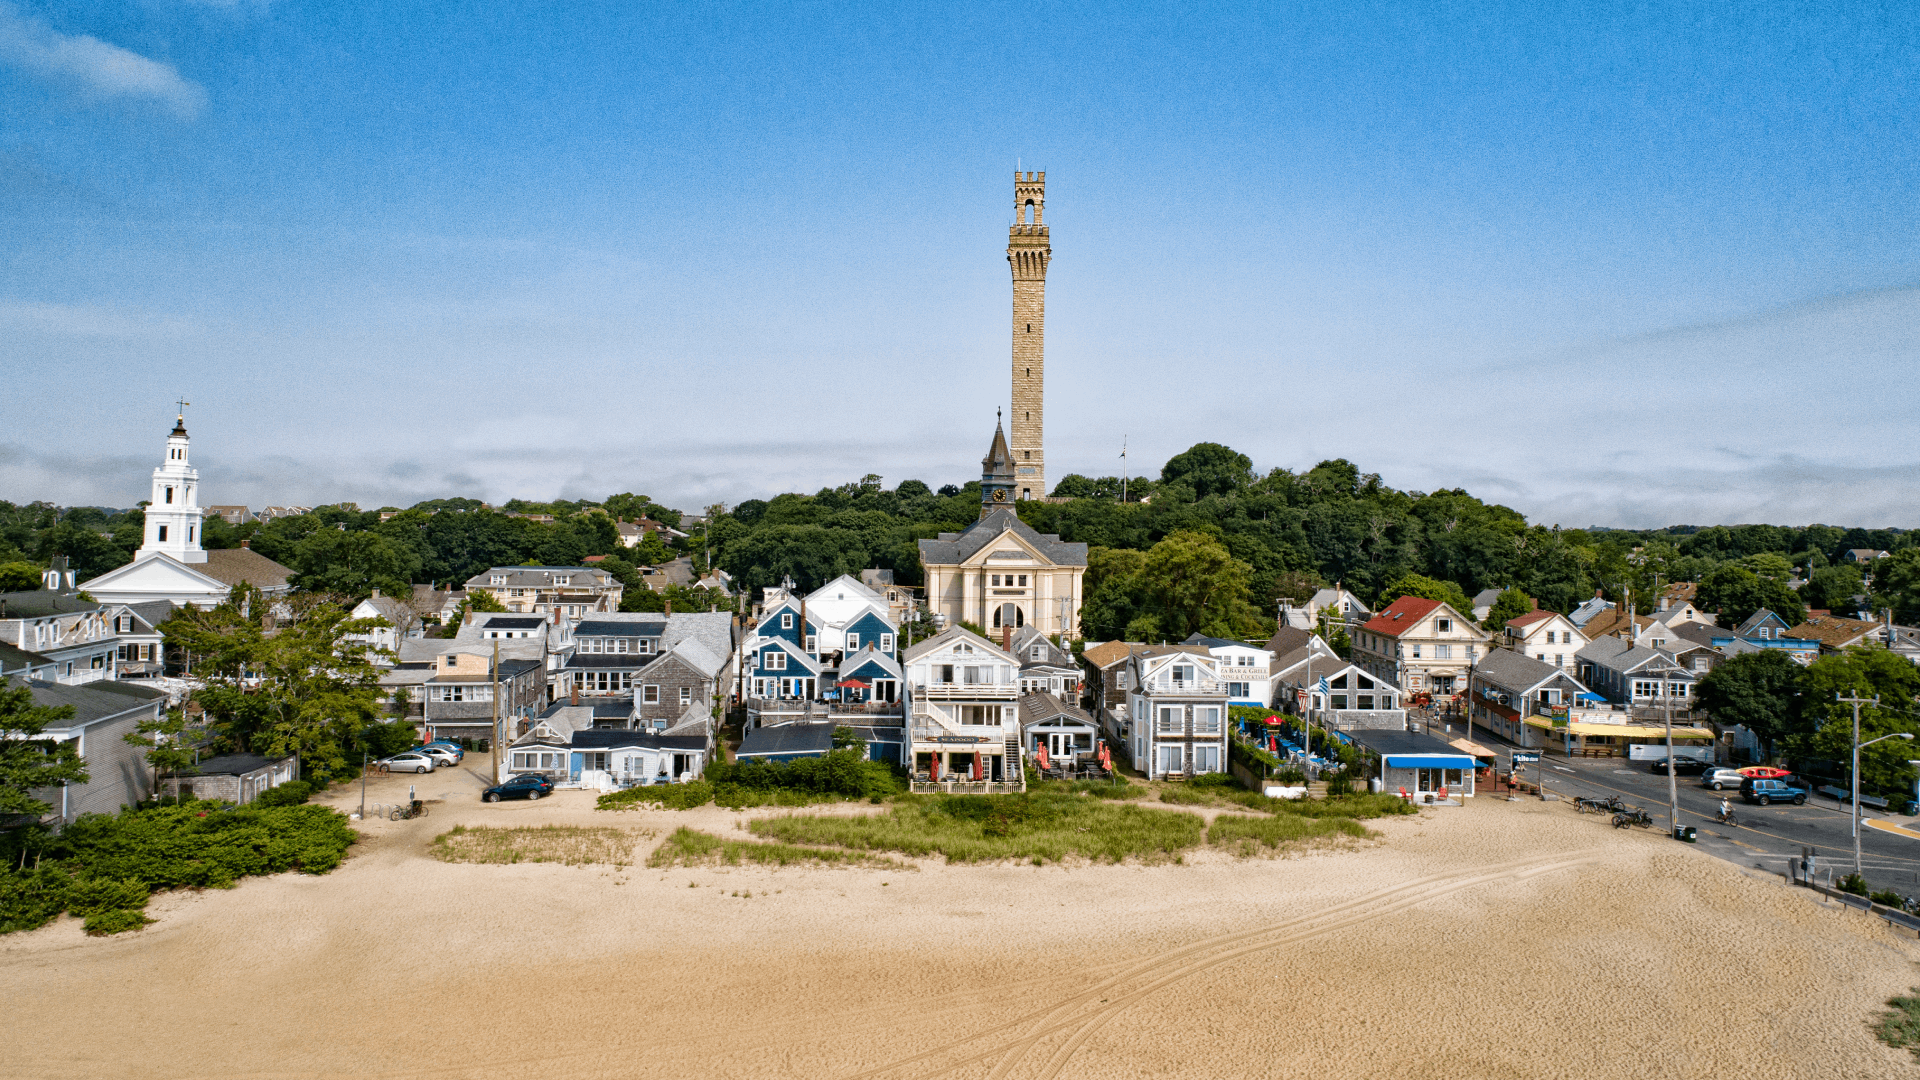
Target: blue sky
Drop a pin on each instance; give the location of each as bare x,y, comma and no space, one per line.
1609,264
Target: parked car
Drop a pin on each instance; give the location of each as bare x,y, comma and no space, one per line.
440,754
1772,791
450,746
524,786
411,761
1682,766
1722,779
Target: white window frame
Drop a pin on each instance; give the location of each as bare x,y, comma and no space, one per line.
1170,719
886,643
786,620
686,696
650,694
853,641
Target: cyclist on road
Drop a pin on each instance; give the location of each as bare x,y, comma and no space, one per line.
1726,810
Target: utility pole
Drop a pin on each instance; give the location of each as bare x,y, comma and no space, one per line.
1123,468
1856,701
1673,785
499,747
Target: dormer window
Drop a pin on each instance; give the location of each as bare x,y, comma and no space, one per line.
1039,652
452,661
497,579
1443,626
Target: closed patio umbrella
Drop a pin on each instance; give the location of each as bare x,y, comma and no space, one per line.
976,768
1040,756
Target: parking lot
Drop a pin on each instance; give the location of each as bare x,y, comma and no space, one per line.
1766,836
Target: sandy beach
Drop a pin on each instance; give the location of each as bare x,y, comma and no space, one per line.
1497,939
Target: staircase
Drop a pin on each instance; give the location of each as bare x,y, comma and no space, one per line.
1015,770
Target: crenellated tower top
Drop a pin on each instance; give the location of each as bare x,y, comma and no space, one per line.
1029,251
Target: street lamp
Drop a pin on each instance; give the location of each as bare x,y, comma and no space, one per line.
1857,747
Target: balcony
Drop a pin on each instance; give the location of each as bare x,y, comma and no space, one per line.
1156,687
957,690
865,711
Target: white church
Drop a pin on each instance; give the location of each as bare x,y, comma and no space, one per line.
171,565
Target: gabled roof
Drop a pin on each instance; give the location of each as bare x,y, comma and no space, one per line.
1518,672
1530,618
867,660
1297,675
839,587
1315,649
1756,620
1106,653
231,765
1697,633
609,661
696,656
13,658
231,566
1625,657
953,548
1401,615
616,738
1486,597
1288,639
953,635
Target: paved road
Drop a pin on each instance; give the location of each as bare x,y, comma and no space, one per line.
1767,836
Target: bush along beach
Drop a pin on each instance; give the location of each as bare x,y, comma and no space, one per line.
104,867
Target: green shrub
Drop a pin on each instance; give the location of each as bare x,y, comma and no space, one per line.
1886,897
1215,780
1339,787
292,793
1852,883
114,921
108,865
31,899
670,796
1291,776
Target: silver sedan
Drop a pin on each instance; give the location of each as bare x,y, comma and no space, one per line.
1722,779
412,761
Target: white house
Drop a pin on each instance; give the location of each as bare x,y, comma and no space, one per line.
1546,636
965,722
75,636
1342,606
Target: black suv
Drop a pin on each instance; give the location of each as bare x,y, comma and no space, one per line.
525,786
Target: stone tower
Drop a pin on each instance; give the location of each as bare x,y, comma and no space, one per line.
997,483
1028,252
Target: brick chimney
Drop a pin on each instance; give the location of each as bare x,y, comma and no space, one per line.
1006,638
573,695
376,594
248,544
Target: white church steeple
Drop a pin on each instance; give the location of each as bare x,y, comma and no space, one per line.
174,514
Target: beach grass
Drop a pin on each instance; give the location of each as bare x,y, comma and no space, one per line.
1038,827
690,847
570,845
1247,836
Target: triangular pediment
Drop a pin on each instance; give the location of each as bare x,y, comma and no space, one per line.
1007,542
154,574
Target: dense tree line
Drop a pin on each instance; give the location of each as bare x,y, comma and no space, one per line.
1209,544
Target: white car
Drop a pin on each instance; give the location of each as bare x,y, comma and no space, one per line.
412,761
440,754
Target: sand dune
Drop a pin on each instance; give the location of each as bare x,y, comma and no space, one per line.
1493,940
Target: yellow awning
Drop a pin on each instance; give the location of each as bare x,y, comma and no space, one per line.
1640,731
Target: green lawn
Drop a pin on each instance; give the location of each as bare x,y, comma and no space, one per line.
1246,836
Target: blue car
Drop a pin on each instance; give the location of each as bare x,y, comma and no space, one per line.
450,746
1772,791
527,786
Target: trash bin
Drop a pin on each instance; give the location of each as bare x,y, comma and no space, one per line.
1375,785
1684,833
1911,809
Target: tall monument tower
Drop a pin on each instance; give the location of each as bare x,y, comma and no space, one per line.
1028,252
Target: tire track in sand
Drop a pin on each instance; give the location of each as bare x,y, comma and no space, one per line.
1053,1020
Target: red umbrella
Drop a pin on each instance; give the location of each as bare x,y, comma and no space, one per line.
976,768
933,768
1040,754
857,684
1106,756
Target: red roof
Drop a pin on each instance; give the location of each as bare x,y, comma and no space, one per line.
1531,617
1396,618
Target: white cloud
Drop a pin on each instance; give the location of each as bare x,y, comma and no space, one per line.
104,70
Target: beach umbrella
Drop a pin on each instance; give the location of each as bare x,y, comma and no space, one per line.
857,684
933,768
976,768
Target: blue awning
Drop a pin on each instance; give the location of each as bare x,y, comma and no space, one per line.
1430,761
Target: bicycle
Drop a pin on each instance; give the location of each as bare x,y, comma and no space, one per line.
1633,817
1726,817
402,813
